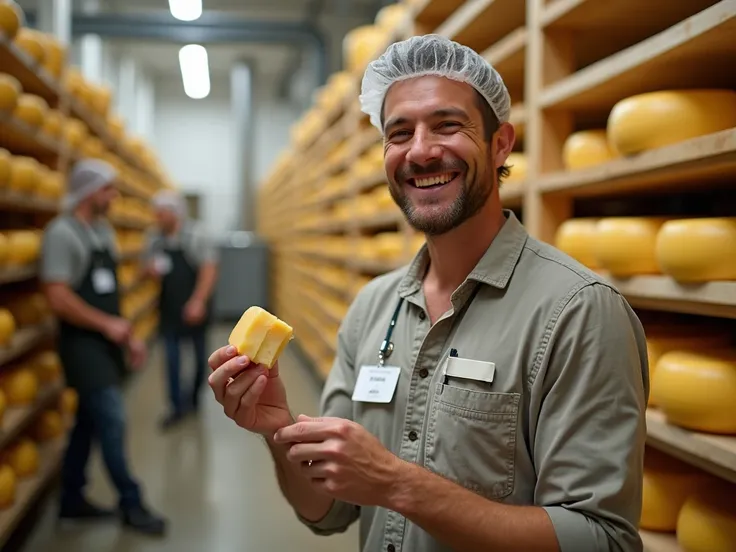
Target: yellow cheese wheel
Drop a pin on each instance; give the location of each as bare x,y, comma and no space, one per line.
32,42
10,91
389,245
49,425
48,366
656,119
625,246
7,326
55,56
5,164
707,521
361,45
51,185
53,123
577,238
11,18
75,132
586,148
24,246
668,483
116,126
31,109
697,390
389,17
69,401
698,250
7,484
517,164
20,386
23,174
23,457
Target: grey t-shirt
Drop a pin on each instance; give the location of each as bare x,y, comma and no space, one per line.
65,254
196,244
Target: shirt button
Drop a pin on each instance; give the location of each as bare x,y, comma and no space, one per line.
391,548
423,373
422,315
413,436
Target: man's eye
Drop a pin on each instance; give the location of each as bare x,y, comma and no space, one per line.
400,134
448,124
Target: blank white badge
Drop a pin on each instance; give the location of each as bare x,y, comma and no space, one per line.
162,263
376,384
103,281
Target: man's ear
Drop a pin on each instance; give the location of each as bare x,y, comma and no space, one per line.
505,138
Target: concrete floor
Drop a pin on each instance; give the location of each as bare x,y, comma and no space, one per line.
212,480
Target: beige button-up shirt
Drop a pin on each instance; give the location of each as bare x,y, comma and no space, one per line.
561,425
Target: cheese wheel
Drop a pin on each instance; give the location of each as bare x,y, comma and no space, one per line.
707,520
625,246
32,42
24,246
23,174
31,109
667,484
75,132
49,425
577,238
361,45
10,91
517,164
698,250
7,480
5,164
656,119
69,401
53,123
586,148
23,457
20,386
7,327
389,17
55,56
11,18
51,185
697,390
47,366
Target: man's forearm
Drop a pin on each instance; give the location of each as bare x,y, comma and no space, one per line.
71,308
463,520
205,282
296,488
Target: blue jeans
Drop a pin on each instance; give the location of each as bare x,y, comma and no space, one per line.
172,342
101,416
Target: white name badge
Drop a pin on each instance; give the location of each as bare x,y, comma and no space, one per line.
376,384
162,263
470,369
103,281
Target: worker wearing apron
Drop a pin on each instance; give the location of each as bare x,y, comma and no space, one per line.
78,270
182,257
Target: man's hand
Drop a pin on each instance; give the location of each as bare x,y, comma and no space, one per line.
251,395
117,330
138,353
194,311
342,459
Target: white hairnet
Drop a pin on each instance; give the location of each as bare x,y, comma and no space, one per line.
431,55
86,177
171,201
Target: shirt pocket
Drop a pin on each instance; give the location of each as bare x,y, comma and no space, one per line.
471,439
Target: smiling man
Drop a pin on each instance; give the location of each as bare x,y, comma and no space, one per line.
489,396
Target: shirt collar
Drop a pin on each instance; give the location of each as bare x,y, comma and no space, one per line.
494,268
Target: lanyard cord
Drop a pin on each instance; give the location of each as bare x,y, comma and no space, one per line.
387,346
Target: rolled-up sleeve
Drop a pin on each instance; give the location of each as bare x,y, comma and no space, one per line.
590,394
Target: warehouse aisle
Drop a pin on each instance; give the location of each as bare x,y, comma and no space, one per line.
214,481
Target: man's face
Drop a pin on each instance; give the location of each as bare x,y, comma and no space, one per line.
102,199
439,167
166,219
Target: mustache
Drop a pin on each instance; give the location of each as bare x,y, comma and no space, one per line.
414,170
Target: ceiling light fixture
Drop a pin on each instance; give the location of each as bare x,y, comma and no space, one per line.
186,10
195,71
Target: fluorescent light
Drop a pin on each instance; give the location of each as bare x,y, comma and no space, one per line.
195,71
186,10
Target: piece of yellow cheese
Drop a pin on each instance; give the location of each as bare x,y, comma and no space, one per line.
11,18
707,520
260,336
587,148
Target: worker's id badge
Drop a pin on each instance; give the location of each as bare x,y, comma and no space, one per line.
162,264
103,281
376,384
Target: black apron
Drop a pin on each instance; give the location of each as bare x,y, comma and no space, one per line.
92,362
177,287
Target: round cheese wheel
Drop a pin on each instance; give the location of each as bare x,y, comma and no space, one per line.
48,366
49,425
517,164
23,457
586,149
389,17
698,250
7,480
577,238
24,246
31,109
361,45
55,57
51,185
69,401
707,520
32,42
668,483
697,390
116,127
11,18
101,99
10,91
53,123
20,386
7,326
23,174
75,132
656,119
5,165
625,246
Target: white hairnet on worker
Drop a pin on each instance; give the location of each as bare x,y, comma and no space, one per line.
431,55
171,201
86,177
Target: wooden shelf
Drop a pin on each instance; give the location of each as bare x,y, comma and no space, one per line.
659,542
27,203
13,274
373,267
663,293
710,158
25,340
508,57
370,181
17,419
429,14
480,23
22,139
34,79
698,48
715,454
380,221
512,194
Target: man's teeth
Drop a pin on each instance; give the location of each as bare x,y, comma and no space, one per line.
432,181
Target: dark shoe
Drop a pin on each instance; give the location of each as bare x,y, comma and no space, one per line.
141,519
171,420
84,510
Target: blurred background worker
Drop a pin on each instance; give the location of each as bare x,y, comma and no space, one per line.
78,269
183,257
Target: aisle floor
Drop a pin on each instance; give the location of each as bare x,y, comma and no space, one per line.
213,481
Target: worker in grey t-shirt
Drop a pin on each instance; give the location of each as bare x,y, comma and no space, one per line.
78,271
180,254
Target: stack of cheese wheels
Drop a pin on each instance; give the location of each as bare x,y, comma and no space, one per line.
23,456
31,109
361,45
656,119
587,148
697,389
668,483
517,164
707,520
698,250
625,246
577,238
32,42
11,18
10,91
23,247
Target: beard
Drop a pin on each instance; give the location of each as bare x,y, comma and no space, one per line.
474,194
